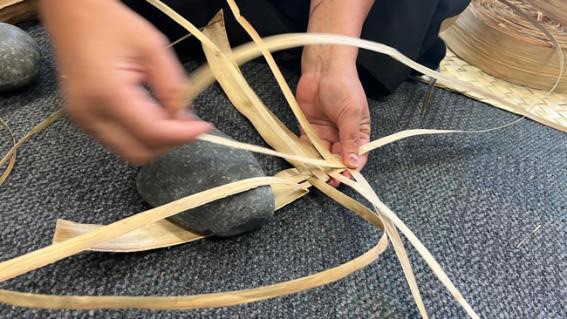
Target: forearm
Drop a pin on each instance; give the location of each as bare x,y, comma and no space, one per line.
345,17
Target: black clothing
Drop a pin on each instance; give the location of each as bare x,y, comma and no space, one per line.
411,26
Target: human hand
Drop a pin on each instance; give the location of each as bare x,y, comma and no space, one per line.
333,100
329,91
106,53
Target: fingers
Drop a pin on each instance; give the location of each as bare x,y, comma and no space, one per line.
326,134
149,123
132,125
165,74
364,137
348,124
121,142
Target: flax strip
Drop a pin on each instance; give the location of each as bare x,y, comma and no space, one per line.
12,156
262,150
323,152
245,100
220,299
166,234
556,10
288,94
45,256
14,11
37,129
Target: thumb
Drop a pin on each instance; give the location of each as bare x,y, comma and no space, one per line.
349,136
167,78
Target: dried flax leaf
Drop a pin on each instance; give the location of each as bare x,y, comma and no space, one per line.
244,99
12,161
262,150
220,299
47,255
166,234
203,77
324,152
288,94
156,235
365,190
11,154
272,130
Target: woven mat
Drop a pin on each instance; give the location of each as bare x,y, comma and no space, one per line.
551,111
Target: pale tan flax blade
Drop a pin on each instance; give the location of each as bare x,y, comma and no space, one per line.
203,77
166,234
283,194
240,93
245,99
220,299
371,196
15,11
399,136
258,149
153,236
12,161
38,128
290,98
398,247
377,221
44,256
406,265
348,202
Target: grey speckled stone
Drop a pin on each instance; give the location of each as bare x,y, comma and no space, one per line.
200,166
19,58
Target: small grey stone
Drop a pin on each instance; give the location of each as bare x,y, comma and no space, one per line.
19,58
199,166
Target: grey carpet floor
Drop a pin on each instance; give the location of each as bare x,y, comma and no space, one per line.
472,199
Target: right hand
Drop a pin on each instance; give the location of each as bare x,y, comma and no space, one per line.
105,53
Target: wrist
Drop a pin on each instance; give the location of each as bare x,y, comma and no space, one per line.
329,60
335,17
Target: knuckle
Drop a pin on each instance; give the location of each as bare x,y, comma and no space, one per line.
151,138
139,157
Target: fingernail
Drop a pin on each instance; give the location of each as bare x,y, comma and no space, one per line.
353,160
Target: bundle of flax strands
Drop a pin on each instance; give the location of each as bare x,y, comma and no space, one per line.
14,11
556,10
501,42
313,166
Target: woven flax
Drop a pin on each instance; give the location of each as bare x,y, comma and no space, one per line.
551,110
